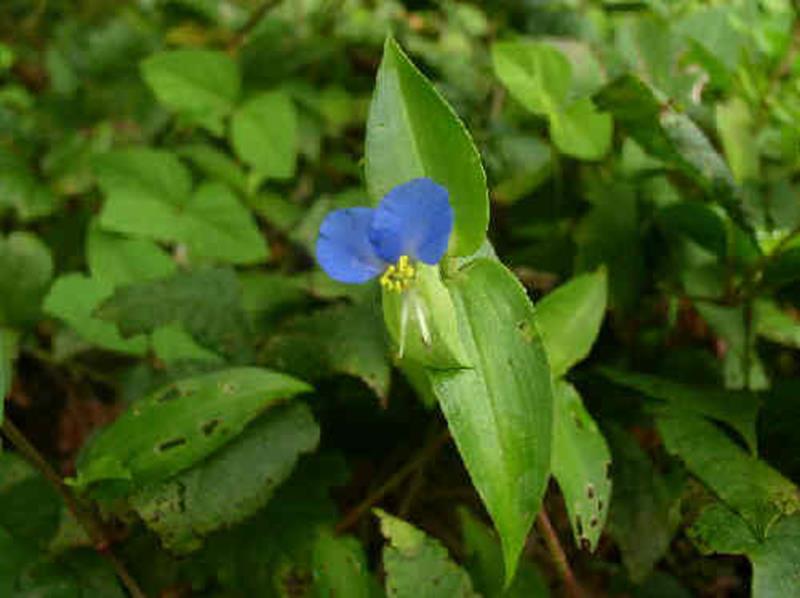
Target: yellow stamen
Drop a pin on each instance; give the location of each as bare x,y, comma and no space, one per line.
399,276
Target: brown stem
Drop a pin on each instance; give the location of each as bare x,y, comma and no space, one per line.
571,586
87,520
247,28
422,457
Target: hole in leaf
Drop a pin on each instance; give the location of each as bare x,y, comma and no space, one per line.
207,428
608,470
589,491
171,444
599,505
585,544
579,525
593,522
524,328
168,395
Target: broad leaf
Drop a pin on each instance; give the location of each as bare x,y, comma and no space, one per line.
758,493
207,302
200,84
418,566
412,132
500,411
581,464
581,131
569,319
160,435
264,134
26,267
230,485
117,260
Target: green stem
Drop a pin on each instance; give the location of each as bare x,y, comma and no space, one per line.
86,518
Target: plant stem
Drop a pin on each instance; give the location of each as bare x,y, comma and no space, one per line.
571,585
86,518
247,28
421,458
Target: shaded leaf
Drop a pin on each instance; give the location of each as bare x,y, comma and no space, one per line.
581,131
26,267
116,260
536,74
340,567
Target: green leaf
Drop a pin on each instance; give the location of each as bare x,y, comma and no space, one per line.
215,226
340,567
736,408
231,484
73,299
484,562
581,463
412,132
215,164
264,134
117,261
735,125
418,566
145,189
500,411
775,560
180,424
346,339
776,324
758,493
26,267
173,344
206,302
579,130
698,222
200,84
430,313
22,190
644,511
537,75
8,344
569,319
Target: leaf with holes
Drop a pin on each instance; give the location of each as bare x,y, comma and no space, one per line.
180,424
581,465
412,132
232,483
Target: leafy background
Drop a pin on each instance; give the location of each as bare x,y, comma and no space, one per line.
164,168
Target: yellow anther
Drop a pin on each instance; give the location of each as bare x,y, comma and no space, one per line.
399,276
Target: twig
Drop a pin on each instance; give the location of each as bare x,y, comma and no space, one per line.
247,28
571,585
422,457
87,520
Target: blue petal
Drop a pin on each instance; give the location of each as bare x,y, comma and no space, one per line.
413,219
343,247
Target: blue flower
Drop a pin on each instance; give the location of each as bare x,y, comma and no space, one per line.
412,223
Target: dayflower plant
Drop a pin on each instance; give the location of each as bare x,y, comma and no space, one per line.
411,224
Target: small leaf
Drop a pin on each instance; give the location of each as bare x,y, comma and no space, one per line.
233,483
579,130
500,410
74,297
775,324
735,125
537,75
117,261
200,84
26,267
180,424
569,319
340,567
581,461
699,222
215,164
418,566
412,132
172,344
758,493
7,354
264,134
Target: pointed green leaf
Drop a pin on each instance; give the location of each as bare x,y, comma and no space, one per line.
500,411
418,566
581,462
412,132
537,75
118,260
579,130
569,319
180,424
